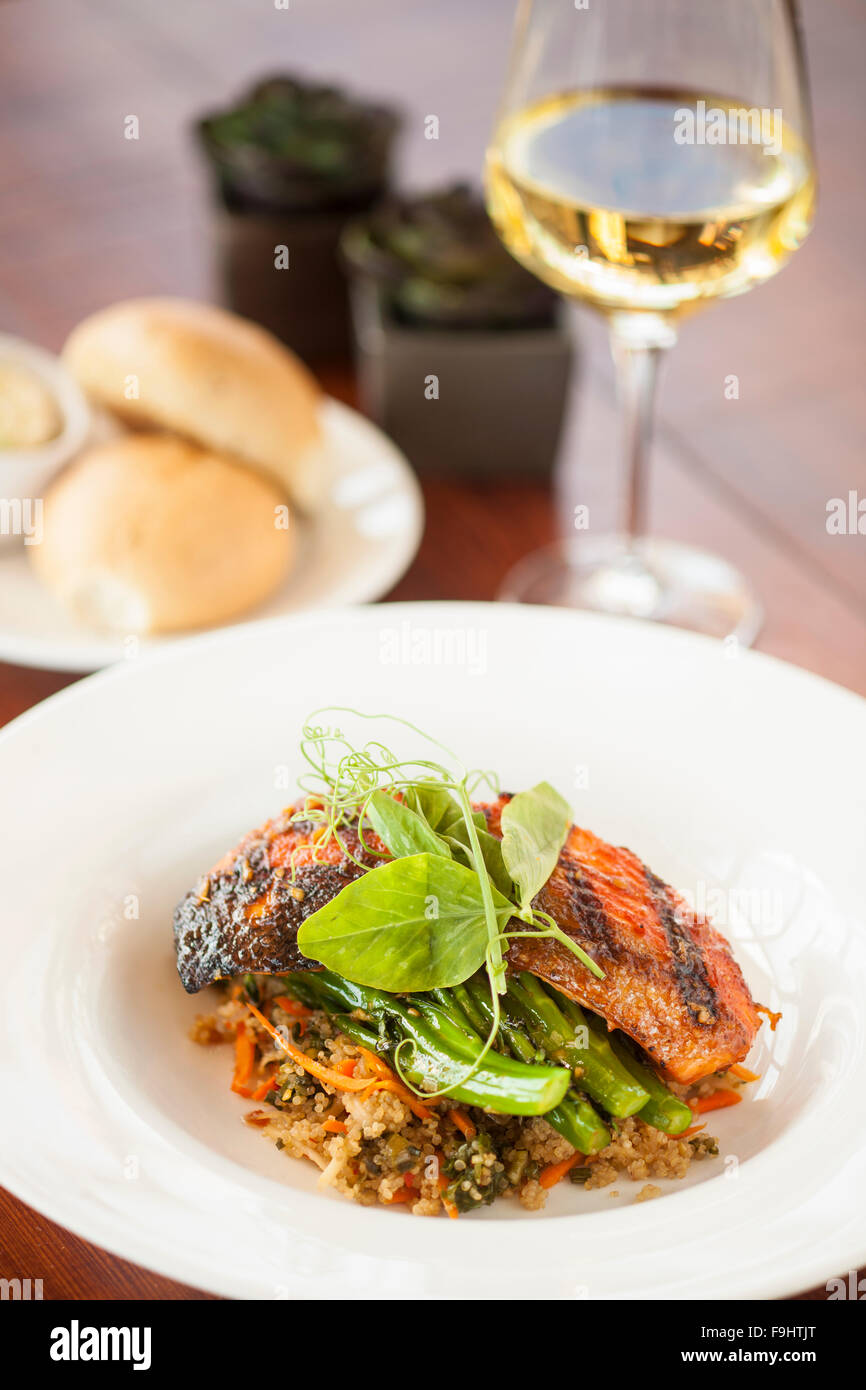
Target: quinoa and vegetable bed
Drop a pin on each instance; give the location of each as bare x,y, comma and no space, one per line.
440,1001
343,1108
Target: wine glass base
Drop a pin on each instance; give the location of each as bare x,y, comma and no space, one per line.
660,580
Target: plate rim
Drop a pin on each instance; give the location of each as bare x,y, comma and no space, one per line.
346,611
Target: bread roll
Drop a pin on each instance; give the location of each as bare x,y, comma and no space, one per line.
148,534
212,377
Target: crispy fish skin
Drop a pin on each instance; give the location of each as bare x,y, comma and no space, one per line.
670,983
244,916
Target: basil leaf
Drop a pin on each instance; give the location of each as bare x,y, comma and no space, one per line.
534,827
401,829
412,924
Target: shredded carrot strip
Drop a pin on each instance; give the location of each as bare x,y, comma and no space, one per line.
335,1127
692,1129
392,1084
317,1069
245,1056
347,1066
718,1100
773,1018
377,1066
401,1195
267,1085
387,1081
409,1180
743,1073
291,1006
463,1123
442,1183
555,1172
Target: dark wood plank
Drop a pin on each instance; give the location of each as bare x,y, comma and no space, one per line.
35,1248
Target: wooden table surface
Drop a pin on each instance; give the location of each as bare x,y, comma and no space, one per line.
88,217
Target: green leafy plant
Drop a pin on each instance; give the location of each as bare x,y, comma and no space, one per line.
296,145
439,263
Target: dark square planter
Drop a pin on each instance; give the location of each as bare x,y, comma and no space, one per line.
307,304
501,394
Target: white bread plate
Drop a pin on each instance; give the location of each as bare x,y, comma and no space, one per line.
352,550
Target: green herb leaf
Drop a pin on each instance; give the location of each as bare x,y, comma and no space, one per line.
491,853
401,829
432,802
454,822
534,827
412,924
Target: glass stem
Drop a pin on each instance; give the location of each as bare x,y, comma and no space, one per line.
636,356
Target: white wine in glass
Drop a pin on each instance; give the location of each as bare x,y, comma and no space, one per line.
650,155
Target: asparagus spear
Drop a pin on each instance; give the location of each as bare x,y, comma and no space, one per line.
600,1073
663,1110
459,996
446,1015
442,1055
574,1118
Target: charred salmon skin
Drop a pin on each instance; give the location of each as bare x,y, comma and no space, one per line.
670,980
244,915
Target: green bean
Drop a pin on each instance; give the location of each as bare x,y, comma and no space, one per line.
599,1046
578,1122
357,1032
461,996
574,1118
379,1004
441,1057
663,1110
598,1072
518,1042
498,1083
448,1024
440,1003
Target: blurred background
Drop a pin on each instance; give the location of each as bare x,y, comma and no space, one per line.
88,216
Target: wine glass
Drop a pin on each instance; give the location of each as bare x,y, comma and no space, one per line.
650,156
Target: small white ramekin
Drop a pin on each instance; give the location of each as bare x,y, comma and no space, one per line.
26,473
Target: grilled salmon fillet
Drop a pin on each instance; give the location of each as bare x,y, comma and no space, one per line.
670,983
670,980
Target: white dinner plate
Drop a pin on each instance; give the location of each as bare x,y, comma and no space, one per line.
736,777
354,550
